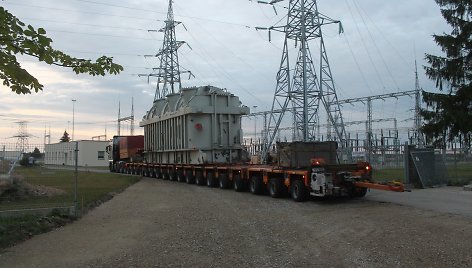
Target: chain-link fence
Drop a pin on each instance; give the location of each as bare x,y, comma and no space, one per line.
26,186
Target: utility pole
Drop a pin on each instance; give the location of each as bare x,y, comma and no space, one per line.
126,119
73,118
304,88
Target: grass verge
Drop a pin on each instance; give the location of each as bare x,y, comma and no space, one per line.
50,188
459,175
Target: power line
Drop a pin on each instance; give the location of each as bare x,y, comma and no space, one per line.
103,35
84,24
79,11
137,18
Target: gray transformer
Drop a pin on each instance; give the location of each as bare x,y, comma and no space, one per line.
199,125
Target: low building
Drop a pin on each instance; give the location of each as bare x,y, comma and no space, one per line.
91,153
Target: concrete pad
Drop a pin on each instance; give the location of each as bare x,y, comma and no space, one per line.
443,199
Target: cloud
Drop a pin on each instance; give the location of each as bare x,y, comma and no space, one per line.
375,55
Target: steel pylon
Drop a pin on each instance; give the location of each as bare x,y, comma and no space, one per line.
302,90
168,72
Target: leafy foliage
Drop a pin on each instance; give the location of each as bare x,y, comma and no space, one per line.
17,38
449,114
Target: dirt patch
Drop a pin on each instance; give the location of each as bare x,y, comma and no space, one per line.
21,190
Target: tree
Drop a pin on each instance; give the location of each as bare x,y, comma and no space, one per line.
449,114
17,38
36,153
65,137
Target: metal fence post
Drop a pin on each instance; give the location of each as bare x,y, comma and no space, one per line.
75,176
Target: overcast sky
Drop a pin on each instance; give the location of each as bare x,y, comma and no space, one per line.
375,55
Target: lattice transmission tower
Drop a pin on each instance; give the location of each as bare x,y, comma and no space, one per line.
22,136
305,88
168,72
419,139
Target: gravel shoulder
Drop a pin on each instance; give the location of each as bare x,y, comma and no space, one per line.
157,223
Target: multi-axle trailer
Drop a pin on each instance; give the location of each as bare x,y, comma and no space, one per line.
351,180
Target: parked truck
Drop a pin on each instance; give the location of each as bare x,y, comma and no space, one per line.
125,149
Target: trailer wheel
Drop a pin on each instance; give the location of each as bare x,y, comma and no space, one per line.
173,176
299,191
181,176
153,173
211,181
199,180
189,178
159,174
277,188
358,192
165,175
224,181
256,186
238,183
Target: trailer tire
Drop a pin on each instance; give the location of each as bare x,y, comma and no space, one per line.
299,191
358,192
277,188
199,179
153,173
256,186
211,181
165,175
173,176
238,183
189,178
224,182
181,176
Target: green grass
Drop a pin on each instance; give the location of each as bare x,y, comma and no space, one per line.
91,186
14,230
389,174
459,175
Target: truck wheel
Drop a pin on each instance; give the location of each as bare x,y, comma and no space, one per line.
153,173
159,174
189,178
211,181
256,185
299,191
238,184
199,180
277,188
224,181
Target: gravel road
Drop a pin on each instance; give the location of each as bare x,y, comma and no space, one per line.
157,223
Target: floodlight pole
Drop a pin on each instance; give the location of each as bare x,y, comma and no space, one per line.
73,118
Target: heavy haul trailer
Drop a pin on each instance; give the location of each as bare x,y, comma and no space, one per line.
196,137
319,180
